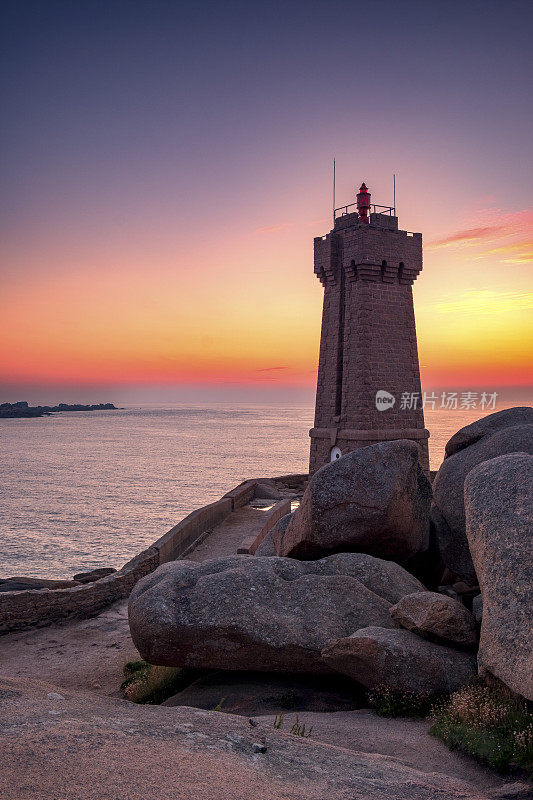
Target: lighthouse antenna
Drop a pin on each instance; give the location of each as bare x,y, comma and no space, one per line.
333,191
394,192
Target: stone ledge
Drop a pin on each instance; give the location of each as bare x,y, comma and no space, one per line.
379,434
250,544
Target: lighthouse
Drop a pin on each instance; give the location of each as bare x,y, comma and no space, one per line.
368,387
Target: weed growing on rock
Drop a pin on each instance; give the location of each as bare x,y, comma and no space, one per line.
388,703
487,723
219,705
298,729
149,684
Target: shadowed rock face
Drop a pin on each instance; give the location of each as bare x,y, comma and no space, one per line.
265,614
401,661
448,510
268,545
436,617
375,500
499,525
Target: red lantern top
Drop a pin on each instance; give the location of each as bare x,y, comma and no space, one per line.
363,203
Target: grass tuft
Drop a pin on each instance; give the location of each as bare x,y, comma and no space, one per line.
388,703
298,728
151,685
488,724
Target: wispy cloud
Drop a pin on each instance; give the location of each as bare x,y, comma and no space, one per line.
486,301
507,236
270,369
468,235
274,228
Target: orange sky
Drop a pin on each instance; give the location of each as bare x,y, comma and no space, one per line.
164,172
251,313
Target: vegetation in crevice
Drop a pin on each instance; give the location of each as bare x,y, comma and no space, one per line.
488,723
149,684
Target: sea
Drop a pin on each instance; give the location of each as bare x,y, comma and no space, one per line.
80,490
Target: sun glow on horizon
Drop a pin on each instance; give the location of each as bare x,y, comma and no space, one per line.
258,323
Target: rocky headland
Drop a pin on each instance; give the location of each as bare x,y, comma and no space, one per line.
378,590
22,409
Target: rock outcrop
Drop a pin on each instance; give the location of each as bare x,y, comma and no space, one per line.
485,426
275,534
384,658
485,439
263,614
499,524
94,574
23,584
375,500
437,618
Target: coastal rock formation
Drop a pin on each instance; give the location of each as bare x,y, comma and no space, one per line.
375,500
499,520
275,534
23,584
477,608
485,426
436,617
22,409
381,658
262,614
448,512
94,574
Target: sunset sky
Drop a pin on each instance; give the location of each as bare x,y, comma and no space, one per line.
166,165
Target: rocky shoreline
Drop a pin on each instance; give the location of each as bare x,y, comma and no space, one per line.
22,409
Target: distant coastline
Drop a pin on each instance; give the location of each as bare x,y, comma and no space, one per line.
22,409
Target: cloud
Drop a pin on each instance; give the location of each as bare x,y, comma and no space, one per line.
274,228
270,369
508,236
468,235
487,301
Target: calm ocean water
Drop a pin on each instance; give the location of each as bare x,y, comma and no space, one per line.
82,490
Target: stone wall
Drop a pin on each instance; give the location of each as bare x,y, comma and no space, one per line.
27,609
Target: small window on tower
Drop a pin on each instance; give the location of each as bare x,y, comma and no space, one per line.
335,454
383,269
400,272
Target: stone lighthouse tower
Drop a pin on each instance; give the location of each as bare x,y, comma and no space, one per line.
368,350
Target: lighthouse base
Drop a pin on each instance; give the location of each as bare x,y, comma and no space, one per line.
327,444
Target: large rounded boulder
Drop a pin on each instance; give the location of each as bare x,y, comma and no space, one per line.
508,431
436,617
375,500
499,524
263,614
398,660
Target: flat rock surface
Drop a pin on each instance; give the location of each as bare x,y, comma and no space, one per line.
78,745
406,739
